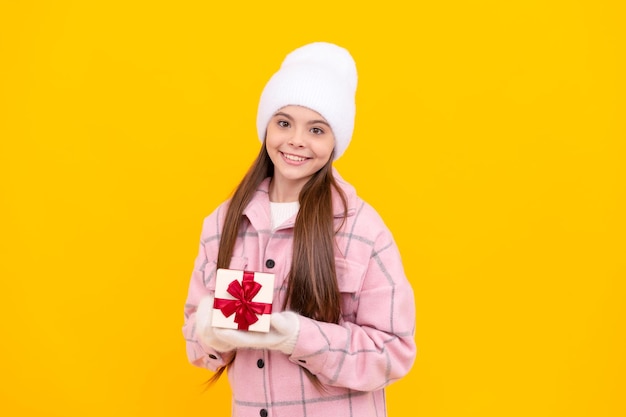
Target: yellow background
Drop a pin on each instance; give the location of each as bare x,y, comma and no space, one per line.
489,135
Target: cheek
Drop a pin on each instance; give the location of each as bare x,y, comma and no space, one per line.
326,148
270,140
273,136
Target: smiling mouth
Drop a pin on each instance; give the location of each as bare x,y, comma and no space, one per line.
294,158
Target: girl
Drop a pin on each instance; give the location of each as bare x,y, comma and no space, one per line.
343,316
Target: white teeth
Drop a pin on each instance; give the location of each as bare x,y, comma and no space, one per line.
294,158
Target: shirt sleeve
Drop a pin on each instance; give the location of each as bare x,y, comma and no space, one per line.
203,273
376,345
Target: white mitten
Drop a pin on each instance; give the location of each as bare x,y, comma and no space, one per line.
204,329
283,334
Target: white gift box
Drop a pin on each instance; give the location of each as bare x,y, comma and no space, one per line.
243,300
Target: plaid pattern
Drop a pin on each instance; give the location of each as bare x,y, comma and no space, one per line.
371,347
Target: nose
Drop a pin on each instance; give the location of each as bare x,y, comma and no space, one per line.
297,138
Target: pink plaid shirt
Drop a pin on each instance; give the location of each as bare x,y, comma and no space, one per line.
372,346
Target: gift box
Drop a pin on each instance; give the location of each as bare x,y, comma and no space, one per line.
243,300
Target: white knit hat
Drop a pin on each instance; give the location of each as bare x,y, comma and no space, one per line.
320,76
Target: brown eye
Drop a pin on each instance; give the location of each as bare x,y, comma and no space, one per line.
283,123
317,131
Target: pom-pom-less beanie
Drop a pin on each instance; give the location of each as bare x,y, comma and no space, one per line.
320,76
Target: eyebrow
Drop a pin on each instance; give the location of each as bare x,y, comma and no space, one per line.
311,122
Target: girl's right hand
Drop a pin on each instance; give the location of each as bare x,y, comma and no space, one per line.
204,329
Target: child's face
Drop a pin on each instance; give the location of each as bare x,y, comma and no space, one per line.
299,142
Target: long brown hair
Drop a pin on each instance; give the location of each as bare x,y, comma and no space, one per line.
312,289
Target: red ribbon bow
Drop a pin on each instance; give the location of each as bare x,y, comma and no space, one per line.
243,307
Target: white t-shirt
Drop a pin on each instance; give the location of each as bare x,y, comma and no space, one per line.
282,211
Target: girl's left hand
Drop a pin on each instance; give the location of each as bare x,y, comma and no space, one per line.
283,334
